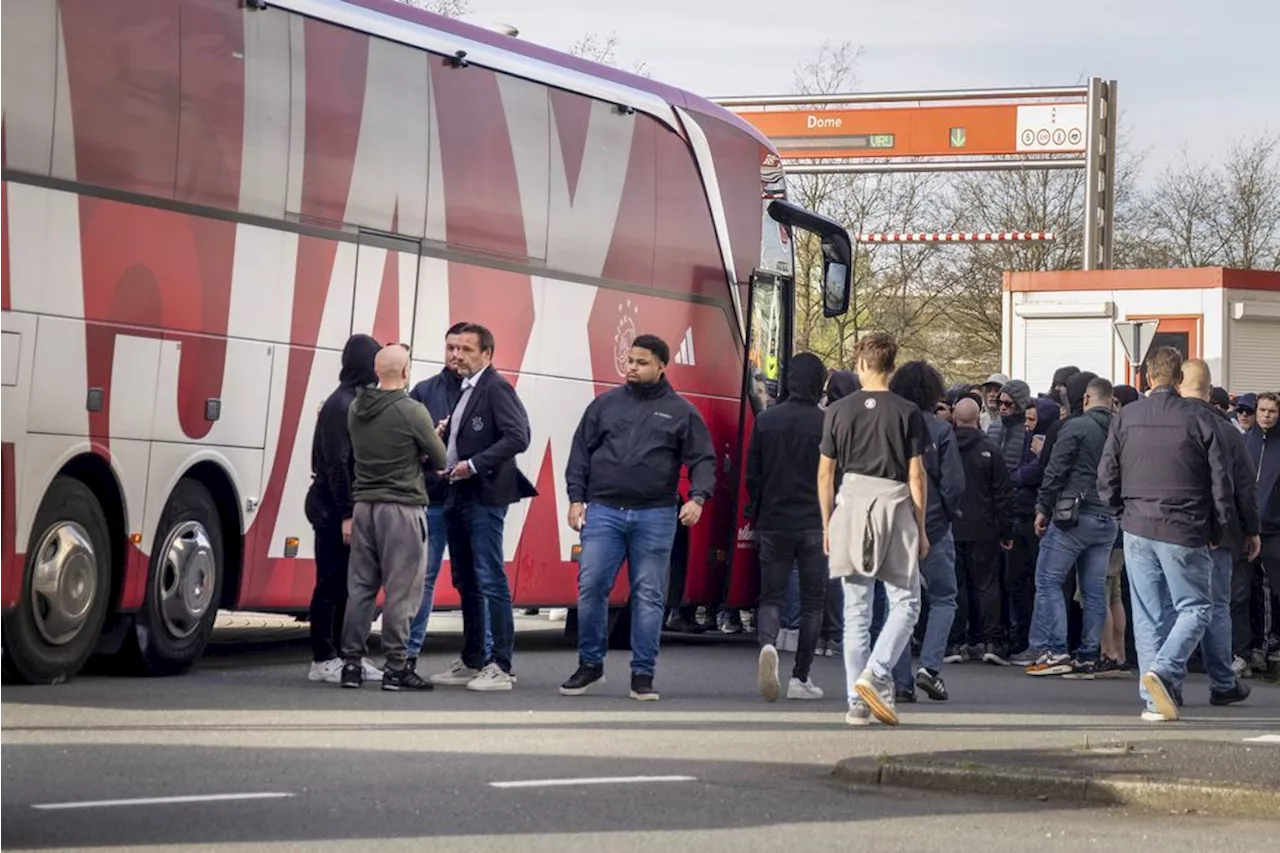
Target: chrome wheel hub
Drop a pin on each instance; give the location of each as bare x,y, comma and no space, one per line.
185,578
64,582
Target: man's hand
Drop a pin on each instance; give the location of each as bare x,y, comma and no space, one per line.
346,531
1006,545
461,471
924,544
1042,524
1252,547
441,427
690,513
577,516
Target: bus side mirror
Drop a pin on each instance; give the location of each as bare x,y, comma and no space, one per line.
835,288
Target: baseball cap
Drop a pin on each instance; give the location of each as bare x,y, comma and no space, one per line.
1248,402
996,379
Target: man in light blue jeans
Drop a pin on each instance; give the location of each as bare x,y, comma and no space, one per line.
1167,467
938,576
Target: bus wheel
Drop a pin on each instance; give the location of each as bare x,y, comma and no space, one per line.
184,582
66,587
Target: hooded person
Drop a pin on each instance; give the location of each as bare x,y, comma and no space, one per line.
1008,433
1073,400
1020,561
1126,394
842,383
782,489
329,506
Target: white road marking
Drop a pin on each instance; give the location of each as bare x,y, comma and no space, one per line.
160,801
590,780
1263,739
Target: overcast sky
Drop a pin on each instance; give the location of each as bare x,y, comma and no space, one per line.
1191,74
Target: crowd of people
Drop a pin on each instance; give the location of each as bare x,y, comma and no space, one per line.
901,525
1066,533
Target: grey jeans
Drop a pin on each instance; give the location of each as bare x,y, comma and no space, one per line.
389,551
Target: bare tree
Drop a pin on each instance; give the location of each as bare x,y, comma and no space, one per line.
1247,224
448,8
604,50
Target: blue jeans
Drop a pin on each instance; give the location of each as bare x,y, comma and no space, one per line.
437,539
644,538
894,638
1087,546
1216,645
1172,593
938,573
479,573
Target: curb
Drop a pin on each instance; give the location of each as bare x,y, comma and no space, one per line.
989,780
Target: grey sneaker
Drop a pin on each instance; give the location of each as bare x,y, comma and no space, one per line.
858,715
767,674
878,694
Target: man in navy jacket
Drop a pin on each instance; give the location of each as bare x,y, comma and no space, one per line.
487,429
622,477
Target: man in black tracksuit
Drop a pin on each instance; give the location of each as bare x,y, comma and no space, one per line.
984,527
622,477
329,508
782,489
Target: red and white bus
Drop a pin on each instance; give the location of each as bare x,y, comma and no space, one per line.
203,199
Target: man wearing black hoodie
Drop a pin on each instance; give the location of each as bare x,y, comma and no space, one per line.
984,527
782,478
391,436
328,508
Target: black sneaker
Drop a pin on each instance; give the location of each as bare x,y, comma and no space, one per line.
955,654
352,675
411,663
995,655
904,695
642,688
1238,693
1082,670
403,679
582,680
932,684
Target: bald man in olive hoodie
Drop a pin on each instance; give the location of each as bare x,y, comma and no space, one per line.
391,436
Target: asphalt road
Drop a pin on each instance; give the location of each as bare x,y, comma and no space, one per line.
710,766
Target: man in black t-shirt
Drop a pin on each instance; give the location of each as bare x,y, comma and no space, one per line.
876,530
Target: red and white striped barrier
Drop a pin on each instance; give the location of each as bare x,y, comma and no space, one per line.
956,237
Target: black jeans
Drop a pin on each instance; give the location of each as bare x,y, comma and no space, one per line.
1244,626
977,590
329,599
833,612
1020,581
779,551
479,575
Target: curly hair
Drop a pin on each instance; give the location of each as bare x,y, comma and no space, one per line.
918,382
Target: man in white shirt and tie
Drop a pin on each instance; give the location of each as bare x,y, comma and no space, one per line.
486,431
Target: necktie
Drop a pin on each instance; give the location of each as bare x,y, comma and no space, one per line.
451,451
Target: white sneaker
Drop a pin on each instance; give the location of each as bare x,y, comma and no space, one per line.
557,614
1153,717
457,675
859,715
767,674
327,671
371,670
788,640
797,689
491,678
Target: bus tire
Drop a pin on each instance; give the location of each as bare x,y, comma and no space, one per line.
184,584
66,588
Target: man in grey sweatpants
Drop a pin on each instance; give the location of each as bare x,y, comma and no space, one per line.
391,436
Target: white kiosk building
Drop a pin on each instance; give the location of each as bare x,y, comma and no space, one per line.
1228,317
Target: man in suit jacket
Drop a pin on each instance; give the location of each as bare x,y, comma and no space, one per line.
486,431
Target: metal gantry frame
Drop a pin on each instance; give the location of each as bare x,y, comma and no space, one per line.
1097,158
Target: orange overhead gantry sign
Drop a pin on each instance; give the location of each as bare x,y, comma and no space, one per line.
957,130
